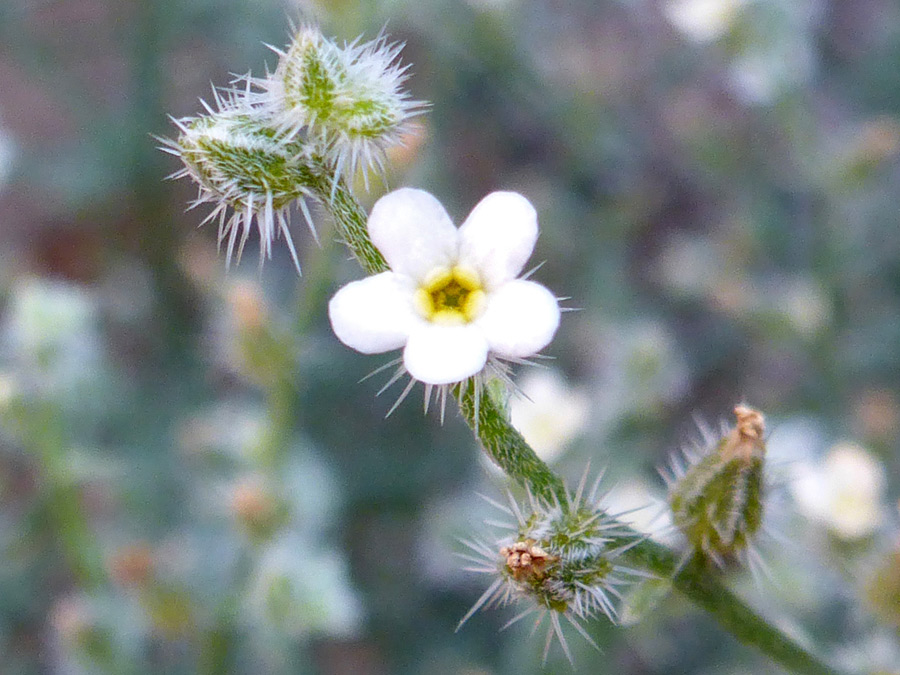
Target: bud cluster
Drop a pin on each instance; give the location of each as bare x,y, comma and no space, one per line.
559,559
326,112
716,498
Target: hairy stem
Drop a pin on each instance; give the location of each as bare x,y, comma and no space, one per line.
508,449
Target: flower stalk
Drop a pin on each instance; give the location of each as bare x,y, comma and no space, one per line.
508,449
328,111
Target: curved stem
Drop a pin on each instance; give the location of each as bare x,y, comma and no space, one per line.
509,450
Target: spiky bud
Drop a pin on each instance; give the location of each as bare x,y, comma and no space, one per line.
717,499
242,165
559,559
349,99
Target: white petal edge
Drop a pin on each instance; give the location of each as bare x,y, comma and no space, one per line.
521,319
374,314
413,232
438,354
498,237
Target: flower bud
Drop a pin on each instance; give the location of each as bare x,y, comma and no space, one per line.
716,502
239,161
348,98
560,559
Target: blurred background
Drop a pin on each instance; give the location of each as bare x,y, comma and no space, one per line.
193,481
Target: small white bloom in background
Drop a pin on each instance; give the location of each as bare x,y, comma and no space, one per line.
302,590
549,414
640,365
845,493
702,20
51,334
8,389
451,299
805,304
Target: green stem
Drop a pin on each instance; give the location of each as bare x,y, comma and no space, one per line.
508,449
504,445
349,218
45,437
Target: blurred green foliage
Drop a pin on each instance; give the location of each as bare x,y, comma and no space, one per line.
191,479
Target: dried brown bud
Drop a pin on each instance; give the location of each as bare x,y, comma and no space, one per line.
746,439
524,560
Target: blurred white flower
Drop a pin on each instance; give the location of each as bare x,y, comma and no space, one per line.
702,20
845,493
51,331
778,53
451,300
304,591
639,365
805,304
8,388
550,414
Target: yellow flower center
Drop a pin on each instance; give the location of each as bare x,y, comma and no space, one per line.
451,296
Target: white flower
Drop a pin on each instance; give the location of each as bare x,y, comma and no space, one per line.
703,20
845,493
549,414
451,299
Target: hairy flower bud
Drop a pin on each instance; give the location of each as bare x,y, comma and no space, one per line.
349,99
560,559
716,500
240,162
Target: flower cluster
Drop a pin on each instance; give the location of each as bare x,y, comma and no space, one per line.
560,559
451,299
716,498
326,112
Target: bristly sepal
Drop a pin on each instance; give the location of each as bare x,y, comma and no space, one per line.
717,499
247,171
560,560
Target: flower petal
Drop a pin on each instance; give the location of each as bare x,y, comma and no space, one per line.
413,232
438,354
520,320
374,314
498,237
